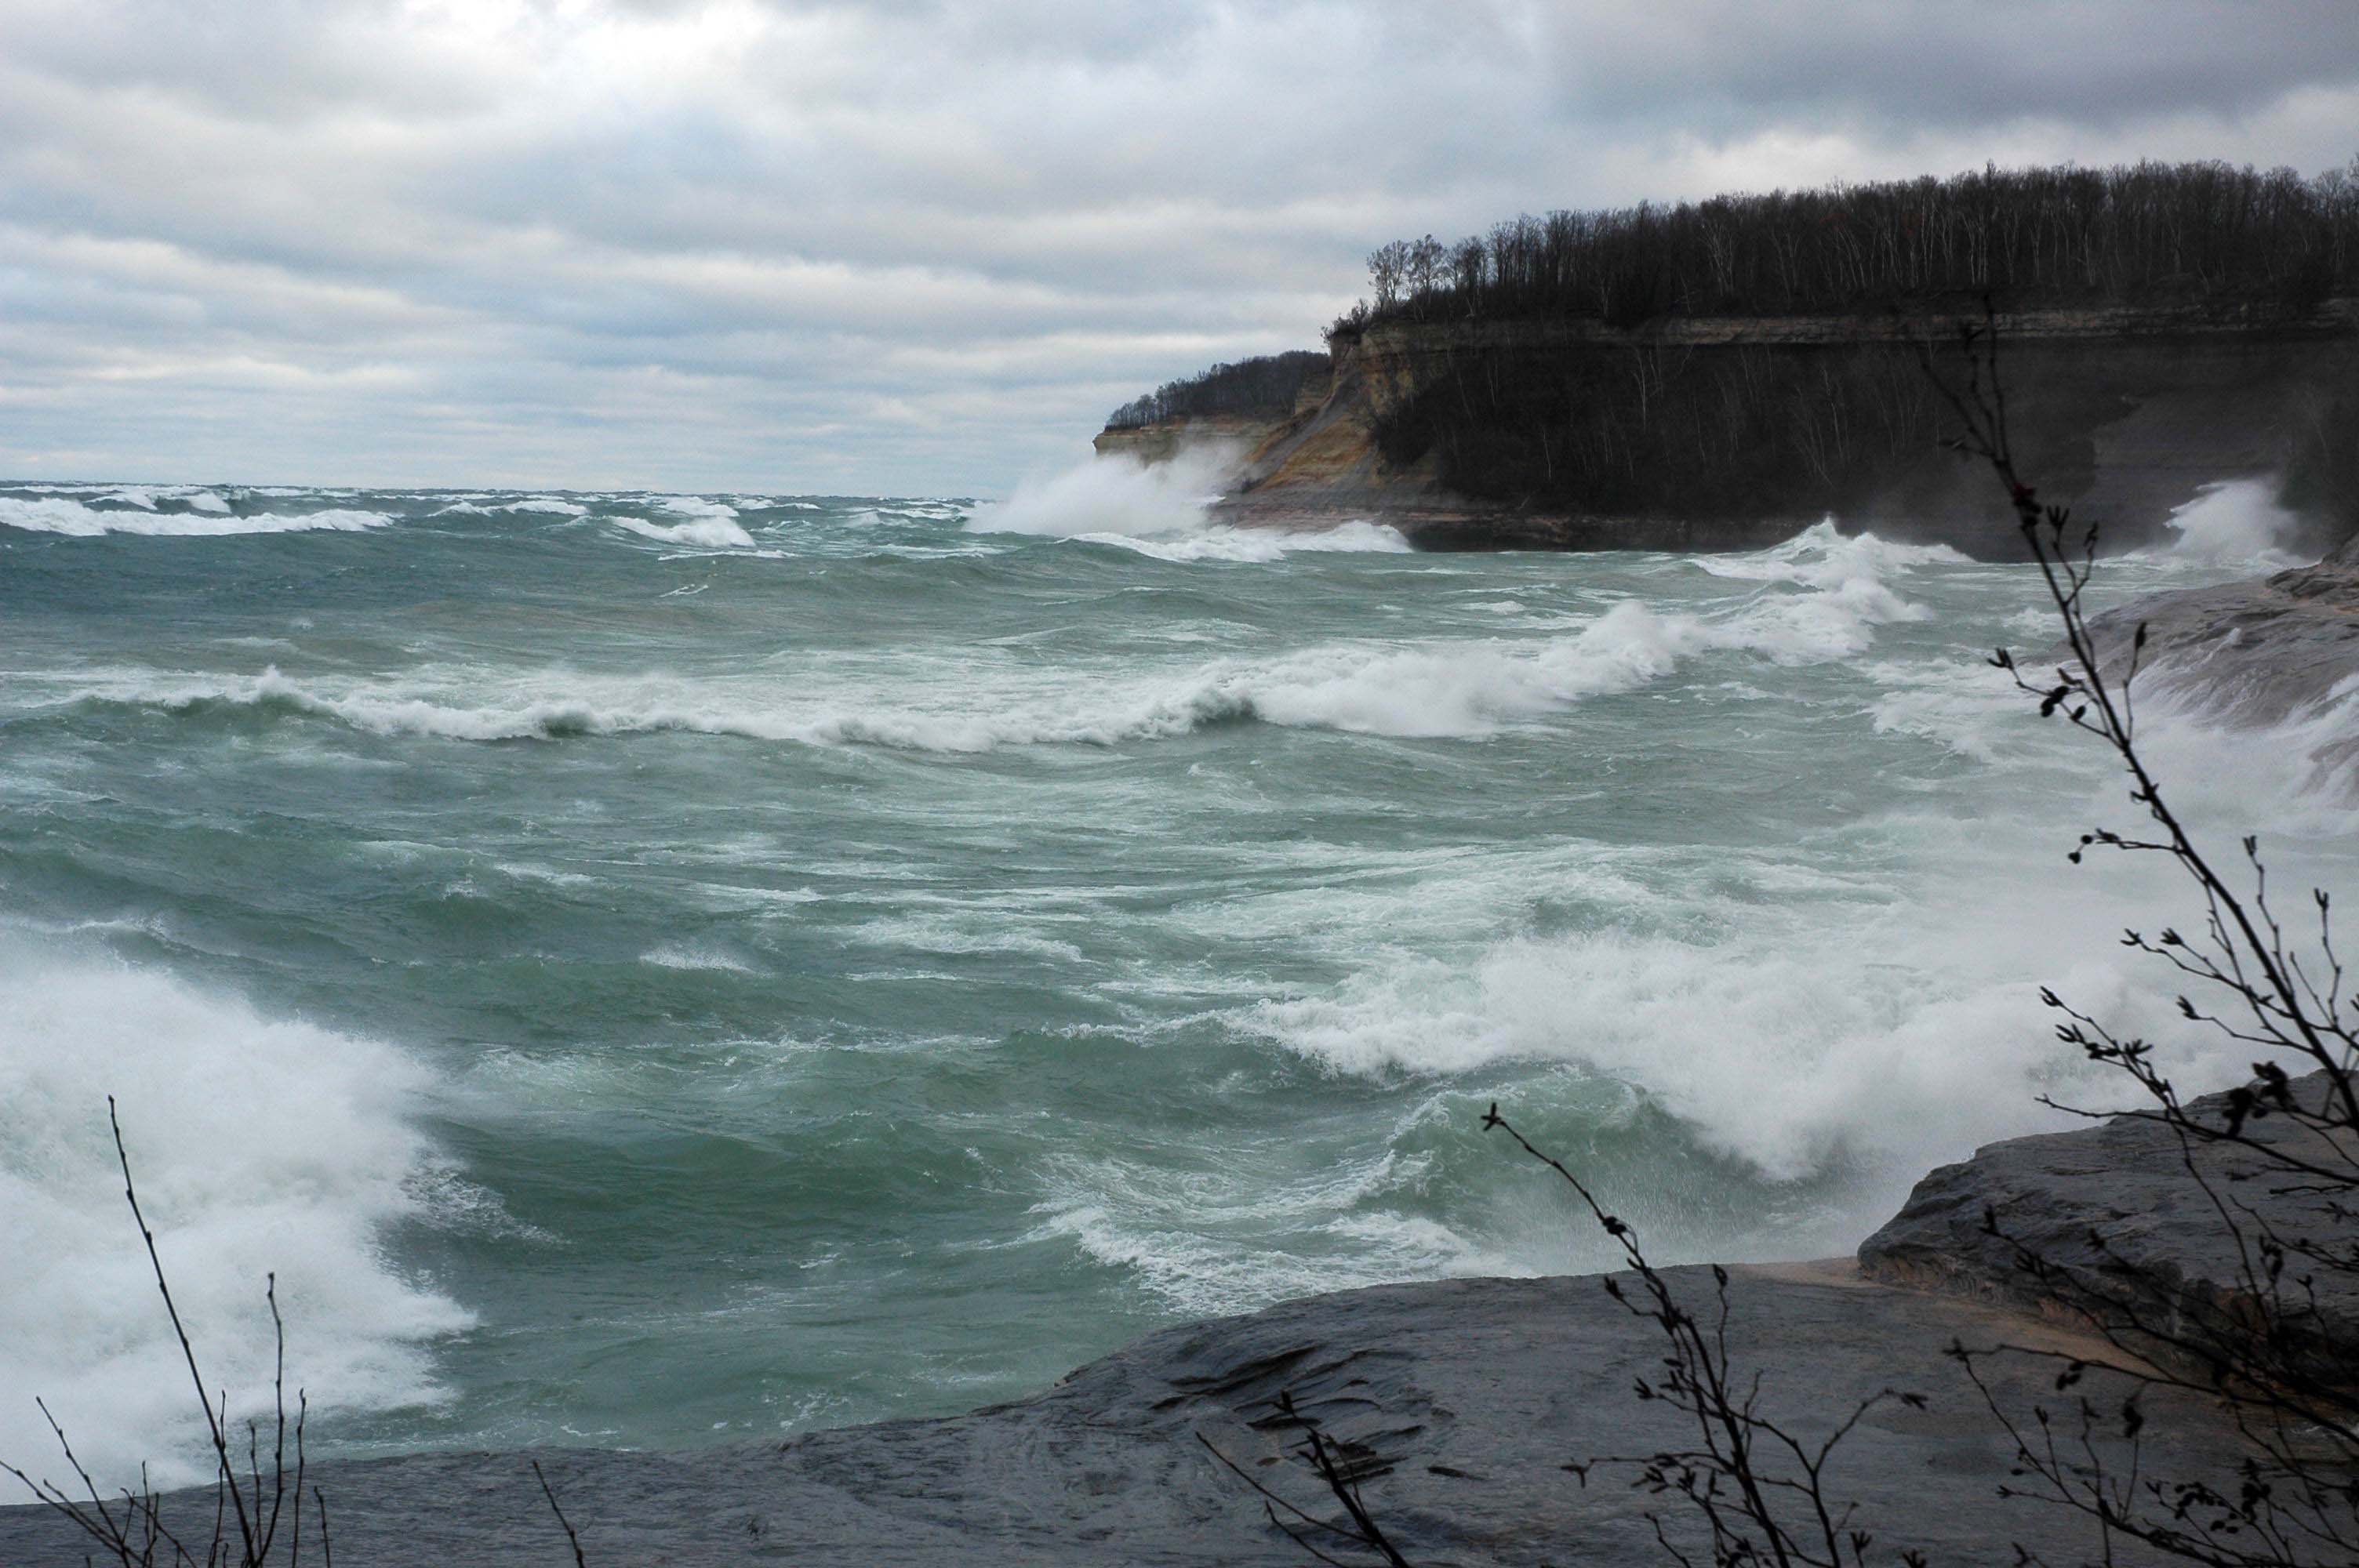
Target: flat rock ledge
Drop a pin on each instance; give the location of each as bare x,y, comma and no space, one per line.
1460,1402
2255,653
2124,1235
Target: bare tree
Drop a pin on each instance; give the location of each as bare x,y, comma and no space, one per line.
2276,1159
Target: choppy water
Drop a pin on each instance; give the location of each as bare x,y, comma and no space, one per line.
650,969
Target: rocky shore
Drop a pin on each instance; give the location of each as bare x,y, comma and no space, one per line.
2258,651
1458,1403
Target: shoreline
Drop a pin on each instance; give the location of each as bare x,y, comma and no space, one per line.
1459,1402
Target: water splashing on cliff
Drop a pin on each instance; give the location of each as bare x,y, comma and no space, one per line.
1118,494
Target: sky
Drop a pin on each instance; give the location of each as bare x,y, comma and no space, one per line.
906,248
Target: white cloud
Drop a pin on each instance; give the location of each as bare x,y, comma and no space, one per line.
909,245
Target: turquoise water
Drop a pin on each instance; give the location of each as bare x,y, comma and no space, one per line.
650,969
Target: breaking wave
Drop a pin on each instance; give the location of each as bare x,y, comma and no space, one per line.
259,1146
1163,510
706,533
548,505
1461,689
1861,1005
2234,523
62,515
1217,541
1118,495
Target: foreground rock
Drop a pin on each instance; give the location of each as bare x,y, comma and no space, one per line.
2123,1235
1459,1402
2260,651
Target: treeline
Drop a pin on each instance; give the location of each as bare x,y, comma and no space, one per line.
2150,232
1254,388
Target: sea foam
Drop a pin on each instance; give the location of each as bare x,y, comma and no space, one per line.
1162,510
1452,688
61,515
259,1146
704,533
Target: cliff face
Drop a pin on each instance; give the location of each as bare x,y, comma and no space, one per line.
1160,440
1729,433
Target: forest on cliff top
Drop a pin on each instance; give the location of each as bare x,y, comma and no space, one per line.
2147,233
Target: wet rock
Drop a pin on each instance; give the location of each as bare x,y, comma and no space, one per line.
1456,1403
2255,652
2106,1224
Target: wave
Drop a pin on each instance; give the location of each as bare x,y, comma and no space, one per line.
1116,496
1852,1010
1474,689
2236,524
60,515
1849,1037
704,533
568,707
696,506
1458,689
259,1145
1162,511
147,497
546,504
1226,542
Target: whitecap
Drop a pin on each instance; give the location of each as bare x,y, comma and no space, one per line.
1442,690
695,955
1231,543
57,514
259,1145
547,504
715,533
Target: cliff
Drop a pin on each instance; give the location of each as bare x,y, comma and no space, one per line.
1159,440
1699,432
1457,1404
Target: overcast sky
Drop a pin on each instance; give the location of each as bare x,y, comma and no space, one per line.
906,247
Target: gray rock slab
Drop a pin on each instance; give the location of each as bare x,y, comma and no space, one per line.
1459,1400
2113,1213
2251,653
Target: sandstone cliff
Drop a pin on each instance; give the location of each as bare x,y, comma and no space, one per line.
1729,433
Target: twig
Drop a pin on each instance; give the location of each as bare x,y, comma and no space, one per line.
548,1492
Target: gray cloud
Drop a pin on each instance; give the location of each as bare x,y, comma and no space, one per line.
915,244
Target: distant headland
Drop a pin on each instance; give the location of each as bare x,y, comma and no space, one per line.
1716,374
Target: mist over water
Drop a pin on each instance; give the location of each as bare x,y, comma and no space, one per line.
2236,525
645,969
